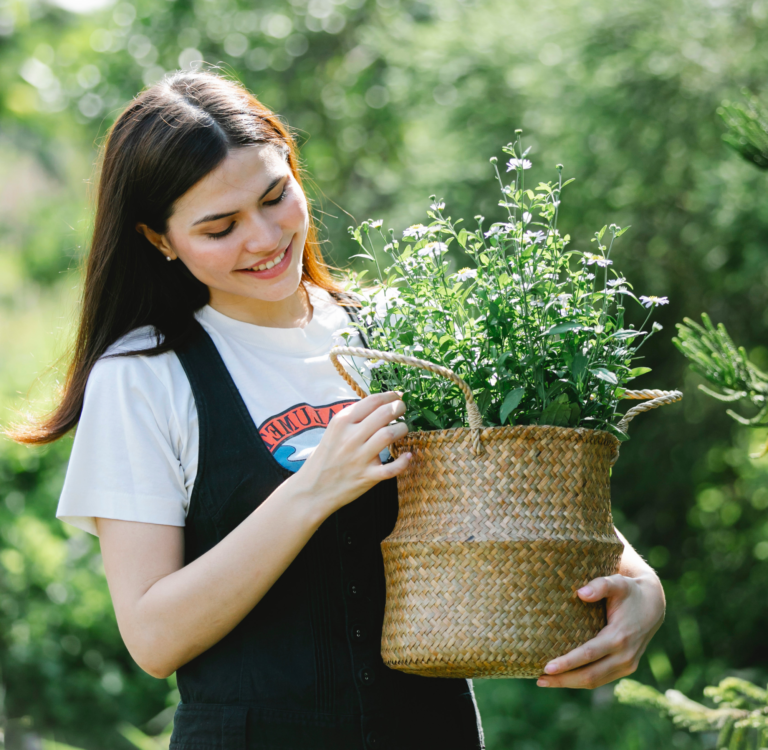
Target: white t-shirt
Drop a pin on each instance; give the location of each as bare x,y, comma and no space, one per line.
134,456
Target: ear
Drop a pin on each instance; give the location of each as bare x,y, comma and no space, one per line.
158,240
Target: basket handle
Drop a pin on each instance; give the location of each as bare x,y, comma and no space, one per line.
473,413
653,398
656,399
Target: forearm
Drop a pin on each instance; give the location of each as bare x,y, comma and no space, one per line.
631,564
185,613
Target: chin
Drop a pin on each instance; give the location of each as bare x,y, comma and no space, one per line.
280,288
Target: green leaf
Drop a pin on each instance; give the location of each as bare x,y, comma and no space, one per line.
617,432
362,255
579,365
637,371
406,338
463,238
432,417
571,325
484,401
601,233
626,333
606,375
502,359
511,402
557,412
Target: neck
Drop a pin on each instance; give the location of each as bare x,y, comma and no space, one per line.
294,311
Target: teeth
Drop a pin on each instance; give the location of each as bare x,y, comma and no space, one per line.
269,264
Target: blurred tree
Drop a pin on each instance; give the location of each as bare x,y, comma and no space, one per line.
739,716
394,100
747,129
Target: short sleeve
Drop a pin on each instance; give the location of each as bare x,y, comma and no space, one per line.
125,461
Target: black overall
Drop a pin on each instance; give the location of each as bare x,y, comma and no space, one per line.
303,670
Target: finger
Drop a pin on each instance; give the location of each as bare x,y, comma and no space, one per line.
603,588
384,437
361,409
387,471
379,418
593,675
603,644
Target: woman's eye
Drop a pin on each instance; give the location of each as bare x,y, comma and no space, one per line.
219,235
277,200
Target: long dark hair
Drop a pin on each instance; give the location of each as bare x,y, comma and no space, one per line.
170,137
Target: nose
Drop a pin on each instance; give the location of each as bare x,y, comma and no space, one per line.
261,235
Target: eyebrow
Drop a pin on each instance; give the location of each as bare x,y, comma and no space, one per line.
215,217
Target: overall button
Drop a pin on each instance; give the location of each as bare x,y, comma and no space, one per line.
348,541
357,632
354,589
367,676
373,741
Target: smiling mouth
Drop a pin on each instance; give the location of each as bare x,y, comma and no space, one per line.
271,262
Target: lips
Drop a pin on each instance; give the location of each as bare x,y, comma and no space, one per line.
272,266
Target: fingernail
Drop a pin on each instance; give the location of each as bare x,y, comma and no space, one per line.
586,591
409,455
551,668
543,683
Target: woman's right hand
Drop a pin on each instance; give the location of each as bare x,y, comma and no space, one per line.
346,462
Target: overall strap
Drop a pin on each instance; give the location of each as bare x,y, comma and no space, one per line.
343,297
351,310
225,425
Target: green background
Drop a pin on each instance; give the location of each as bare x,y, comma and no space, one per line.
393,100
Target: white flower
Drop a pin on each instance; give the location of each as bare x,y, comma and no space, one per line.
433,249
657,327
526,217
616,282
534,237
466,273
438,206
499,228
653,301
372,364
417,231
383,300
590,258
376,224
589,276
518,164
342,336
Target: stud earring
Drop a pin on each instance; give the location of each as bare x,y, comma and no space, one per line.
168,258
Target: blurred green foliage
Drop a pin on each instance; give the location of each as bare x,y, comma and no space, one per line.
394,100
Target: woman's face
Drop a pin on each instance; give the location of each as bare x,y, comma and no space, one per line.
247,214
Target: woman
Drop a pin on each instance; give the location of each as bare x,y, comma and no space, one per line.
201,384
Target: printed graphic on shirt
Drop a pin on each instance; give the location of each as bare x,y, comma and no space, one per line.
292,435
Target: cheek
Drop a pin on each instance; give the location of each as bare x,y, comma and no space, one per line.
205,257
296,211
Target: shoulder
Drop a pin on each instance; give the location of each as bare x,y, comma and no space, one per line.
125,365
336,298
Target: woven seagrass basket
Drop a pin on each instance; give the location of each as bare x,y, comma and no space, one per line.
497,529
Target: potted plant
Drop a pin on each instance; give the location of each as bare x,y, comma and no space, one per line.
502,521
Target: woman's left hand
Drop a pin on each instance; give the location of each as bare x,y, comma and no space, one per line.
635,608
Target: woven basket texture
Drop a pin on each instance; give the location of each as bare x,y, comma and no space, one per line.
488,551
